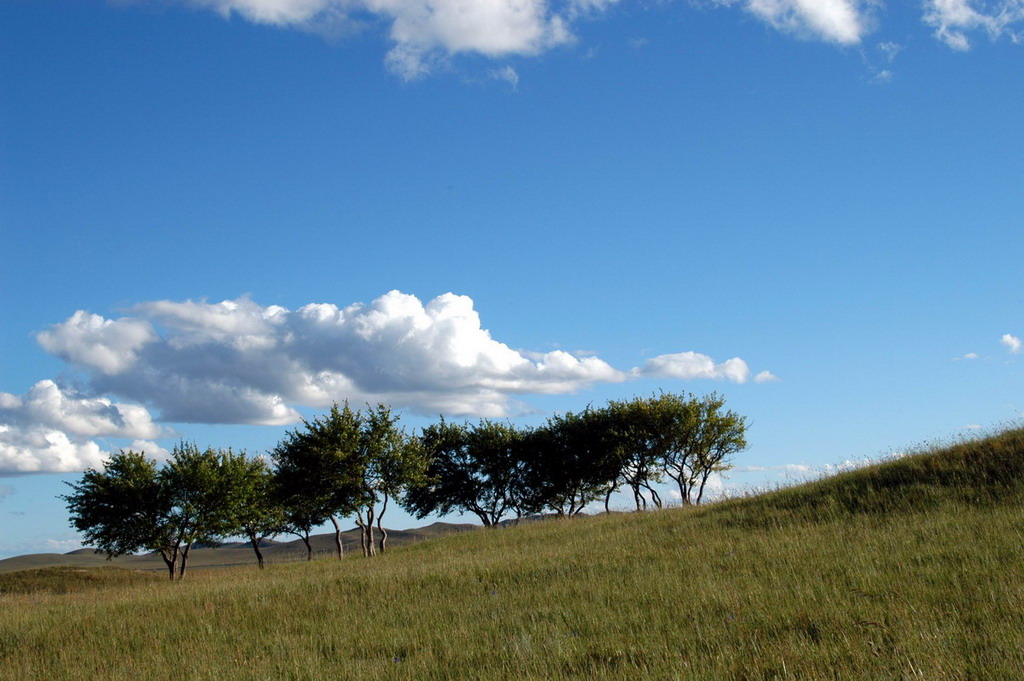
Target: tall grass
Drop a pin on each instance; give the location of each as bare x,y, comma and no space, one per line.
894,572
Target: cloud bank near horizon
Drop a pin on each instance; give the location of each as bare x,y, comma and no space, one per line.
426,34
240,362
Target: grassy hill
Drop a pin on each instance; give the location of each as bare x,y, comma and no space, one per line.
909,569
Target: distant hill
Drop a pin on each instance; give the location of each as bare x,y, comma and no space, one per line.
232,553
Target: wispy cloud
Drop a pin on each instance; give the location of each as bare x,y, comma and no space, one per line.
953,20
507,74
1012,343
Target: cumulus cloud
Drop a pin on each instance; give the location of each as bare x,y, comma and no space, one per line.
766,377
50,406
954,19
45,450
239,362
48,429
1012,343
424,32
110,346
691,365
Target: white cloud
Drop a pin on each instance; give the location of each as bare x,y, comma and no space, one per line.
45,450
49,406
791,468
425,32
1012,343
507,74
890,49
584,6
883,76
238,362
151,449
954,19
839,21
766,377
110,346
691,365
49,429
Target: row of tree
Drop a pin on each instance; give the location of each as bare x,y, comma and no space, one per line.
354,464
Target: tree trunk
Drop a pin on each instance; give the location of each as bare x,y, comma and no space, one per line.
337,537
655,497
184,560
309,547
362,533
380,525
369,531
639,498
170,561
607,498
255,541
700,492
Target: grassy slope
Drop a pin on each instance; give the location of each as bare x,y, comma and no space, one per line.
911,569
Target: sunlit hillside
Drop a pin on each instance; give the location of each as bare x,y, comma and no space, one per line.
908,569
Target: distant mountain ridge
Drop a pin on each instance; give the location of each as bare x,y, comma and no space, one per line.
234,553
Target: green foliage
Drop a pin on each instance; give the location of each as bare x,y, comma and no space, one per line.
573,460
699,440
473,468
123,508
257,511
318,471
642,435
392,463
342,464
131,505
492,469
203,499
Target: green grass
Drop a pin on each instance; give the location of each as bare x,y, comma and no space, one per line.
62,580
909,569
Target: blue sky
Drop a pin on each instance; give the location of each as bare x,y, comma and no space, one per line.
502,208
